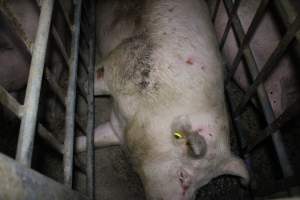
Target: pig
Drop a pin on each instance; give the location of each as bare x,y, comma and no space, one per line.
159,60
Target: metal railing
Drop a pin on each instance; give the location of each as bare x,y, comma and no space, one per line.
291,21
28,112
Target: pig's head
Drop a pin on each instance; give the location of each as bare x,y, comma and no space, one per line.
174,161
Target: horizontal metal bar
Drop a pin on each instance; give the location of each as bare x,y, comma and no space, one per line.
252,28
233,12
262,95
71,99
270,64
18,182
291,112
28,122
10,102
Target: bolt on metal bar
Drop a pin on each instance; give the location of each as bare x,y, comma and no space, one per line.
90,159
28,122
262,95
71,99
252,28
233,12
291,112
270,64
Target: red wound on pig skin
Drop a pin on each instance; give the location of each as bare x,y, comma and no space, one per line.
190,61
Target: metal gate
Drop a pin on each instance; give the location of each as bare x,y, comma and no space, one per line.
18,181
291,20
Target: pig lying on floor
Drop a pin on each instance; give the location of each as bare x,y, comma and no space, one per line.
162,66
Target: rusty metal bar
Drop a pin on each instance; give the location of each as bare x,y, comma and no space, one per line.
90,160
291,112
252,28
28,122
262,95
270,64
71,98
233,12
18,182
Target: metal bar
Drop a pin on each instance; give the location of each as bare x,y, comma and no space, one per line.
10,102
64,12
12,19
270,64
262,95
291,112
14,106
63,51
252,28
90,160
71,99
28,122
287,12
18,182
233,12
57,90
215,10
52,82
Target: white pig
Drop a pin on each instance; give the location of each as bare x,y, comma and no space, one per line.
161,64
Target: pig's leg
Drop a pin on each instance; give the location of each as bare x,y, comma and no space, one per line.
103,136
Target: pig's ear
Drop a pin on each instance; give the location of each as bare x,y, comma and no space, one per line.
236,167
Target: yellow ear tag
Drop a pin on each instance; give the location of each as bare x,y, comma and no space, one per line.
178,135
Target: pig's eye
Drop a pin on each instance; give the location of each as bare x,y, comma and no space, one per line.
178,135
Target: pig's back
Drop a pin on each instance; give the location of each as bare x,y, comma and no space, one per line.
171,60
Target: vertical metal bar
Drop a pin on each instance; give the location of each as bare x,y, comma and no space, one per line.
71,99
262,95
28,123
90,160
252,28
